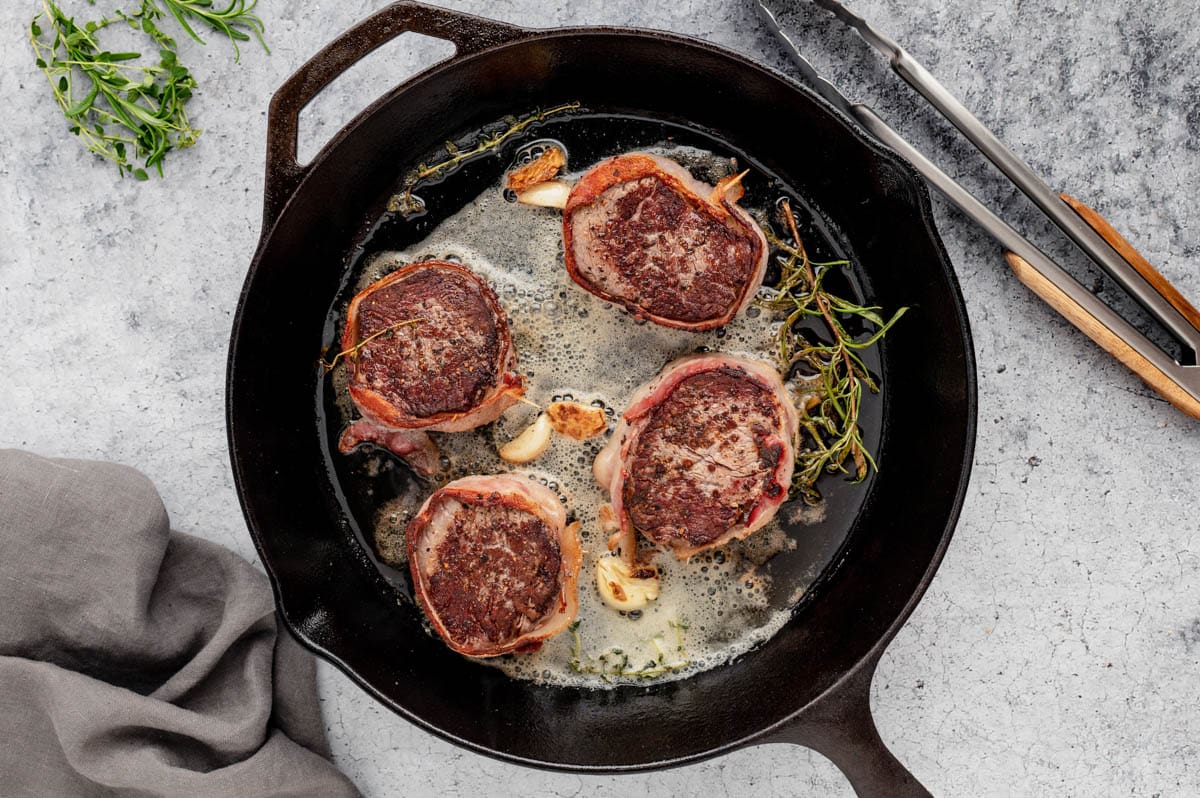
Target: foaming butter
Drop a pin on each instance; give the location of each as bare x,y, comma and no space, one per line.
572,345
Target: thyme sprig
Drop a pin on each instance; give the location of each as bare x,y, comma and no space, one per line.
406,203
328,365
830,377
615,663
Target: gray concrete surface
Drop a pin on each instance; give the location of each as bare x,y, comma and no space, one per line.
1058,650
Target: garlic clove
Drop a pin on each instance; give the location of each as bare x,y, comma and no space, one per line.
543,168
576,420
530,444
551,194
624,588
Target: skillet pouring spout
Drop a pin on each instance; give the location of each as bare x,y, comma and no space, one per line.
884,538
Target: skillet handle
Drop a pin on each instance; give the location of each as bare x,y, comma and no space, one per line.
468,34
839,726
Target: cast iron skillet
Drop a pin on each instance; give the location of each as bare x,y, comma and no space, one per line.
810,683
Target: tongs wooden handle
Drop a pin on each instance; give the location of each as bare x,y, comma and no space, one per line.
1135,259
1177,381
1094,328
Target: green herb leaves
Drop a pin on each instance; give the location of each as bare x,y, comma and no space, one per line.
615,663
829,376
236,21
124,111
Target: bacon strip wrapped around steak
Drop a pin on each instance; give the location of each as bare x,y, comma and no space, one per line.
640,231
494,564
429,349
702,456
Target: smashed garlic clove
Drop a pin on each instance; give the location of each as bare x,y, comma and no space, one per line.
577,421
623,587
544,167
551,194
530,444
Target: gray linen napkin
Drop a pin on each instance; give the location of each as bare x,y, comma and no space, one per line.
139,661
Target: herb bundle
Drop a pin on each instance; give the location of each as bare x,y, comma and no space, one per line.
124,111
830,376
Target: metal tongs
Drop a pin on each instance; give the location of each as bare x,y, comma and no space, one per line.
1177,382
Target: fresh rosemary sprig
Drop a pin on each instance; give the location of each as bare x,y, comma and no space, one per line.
237,21
614,663
119,110
407,204
829,376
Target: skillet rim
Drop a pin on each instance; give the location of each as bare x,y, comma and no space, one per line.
523,37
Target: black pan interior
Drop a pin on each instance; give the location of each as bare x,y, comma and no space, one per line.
340,603
367,478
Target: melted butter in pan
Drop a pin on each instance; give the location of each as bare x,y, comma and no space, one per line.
572,344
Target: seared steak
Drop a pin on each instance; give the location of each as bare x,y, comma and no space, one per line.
451,368
640,231
703,455
494,564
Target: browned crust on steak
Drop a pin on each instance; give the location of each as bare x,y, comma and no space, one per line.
662,251
440,372
494,565
704,459
761,441
499,572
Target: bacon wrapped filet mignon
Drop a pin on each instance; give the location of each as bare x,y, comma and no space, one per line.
702,456
640,231
429,349
494,564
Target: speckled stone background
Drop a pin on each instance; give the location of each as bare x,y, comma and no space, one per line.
1057,651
